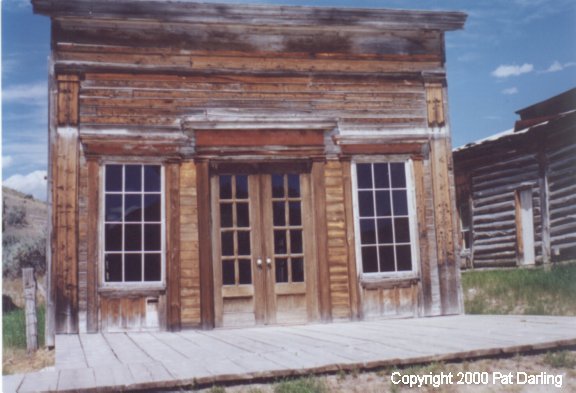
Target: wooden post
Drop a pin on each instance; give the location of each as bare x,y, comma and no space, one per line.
30,308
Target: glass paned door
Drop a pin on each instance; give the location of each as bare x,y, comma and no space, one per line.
263,248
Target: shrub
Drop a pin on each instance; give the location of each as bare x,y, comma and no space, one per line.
16,216
25,253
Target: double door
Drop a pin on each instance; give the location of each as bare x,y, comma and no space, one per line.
263,247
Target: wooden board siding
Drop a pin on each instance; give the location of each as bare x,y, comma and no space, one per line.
494,221
172,171
338,261
189,257
162,100
561,160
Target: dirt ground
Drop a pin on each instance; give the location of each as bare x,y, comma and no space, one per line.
556,366
16,361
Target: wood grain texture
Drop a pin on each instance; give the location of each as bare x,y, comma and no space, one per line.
173,268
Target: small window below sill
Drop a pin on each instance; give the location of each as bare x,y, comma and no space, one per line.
380,282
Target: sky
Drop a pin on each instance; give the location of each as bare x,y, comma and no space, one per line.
510,54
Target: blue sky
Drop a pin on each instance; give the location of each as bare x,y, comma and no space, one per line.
511,54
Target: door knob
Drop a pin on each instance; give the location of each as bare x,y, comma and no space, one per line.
269,262
259,262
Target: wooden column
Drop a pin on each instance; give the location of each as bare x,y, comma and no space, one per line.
65,206
205,245
92,266
544,204
172,171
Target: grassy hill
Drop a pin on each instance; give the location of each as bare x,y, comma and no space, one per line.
24,228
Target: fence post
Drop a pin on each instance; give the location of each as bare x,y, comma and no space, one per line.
30,308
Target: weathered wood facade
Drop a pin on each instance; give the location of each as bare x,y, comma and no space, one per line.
516,191
218,165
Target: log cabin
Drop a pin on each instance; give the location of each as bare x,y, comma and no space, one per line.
516,190
221,165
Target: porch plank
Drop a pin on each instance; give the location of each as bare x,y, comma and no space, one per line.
125,349
76,379
97,351
70,353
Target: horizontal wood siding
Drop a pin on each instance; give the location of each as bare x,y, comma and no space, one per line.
127,100
561,160
494,220
189,258
337,241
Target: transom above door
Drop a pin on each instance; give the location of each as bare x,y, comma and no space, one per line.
264,265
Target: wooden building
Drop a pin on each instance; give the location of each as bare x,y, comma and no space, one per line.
516,190
235,165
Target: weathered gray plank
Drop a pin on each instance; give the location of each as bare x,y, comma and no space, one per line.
46,381
76,379
70,353
10,383
97,351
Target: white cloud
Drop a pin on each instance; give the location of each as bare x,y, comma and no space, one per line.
504,71
29,93
510,91
7,161
557,66
33,183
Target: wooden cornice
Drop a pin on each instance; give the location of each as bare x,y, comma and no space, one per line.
261,15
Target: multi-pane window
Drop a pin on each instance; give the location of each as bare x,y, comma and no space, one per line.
133,212
287,227
383,217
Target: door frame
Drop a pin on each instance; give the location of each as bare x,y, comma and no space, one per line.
265,312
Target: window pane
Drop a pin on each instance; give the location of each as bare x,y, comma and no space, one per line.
402,230
113,237
385,231
225,187
226,215
133,180
243,243
113,178
400,200
152,267
367,231
152,207
369,260
294,186
281,269
383,203
296,241
381,176
133,267
398,175
113,208
227,239
297,270
242,215
132,237
279,213
277,186
113,267
133,207
241,186
387,259
295,215
228,273
366,203
280,242
404,257
152,178
244,271
152,237
364,175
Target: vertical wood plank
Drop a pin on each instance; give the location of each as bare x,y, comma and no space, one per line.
422,224
29,284
310,247
93,260
205,248
82,244
319,205
544,204
350,240
173,245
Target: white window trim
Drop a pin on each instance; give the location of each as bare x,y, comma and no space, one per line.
128,285
412,218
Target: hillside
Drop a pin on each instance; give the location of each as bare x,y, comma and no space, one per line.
24,227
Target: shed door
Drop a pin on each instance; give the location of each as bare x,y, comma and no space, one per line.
263,251
525,226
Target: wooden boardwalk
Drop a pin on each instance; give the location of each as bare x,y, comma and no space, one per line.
114,362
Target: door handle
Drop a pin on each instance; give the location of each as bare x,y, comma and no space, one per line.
269,262
259,263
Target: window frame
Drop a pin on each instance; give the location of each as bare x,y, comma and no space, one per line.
412,217
129,285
